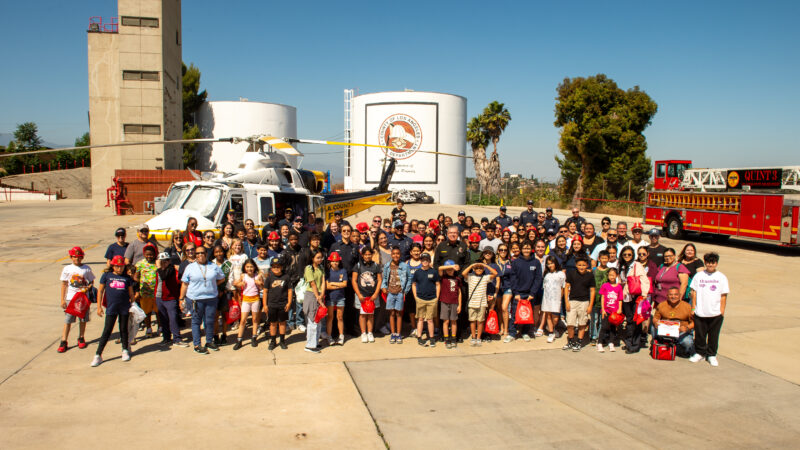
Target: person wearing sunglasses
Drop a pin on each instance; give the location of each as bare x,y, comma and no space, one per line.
630,267
611,241
605,225
199,292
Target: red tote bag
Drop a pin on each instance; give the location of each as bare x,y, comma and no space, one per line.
234,311
524,314
322,311
492,326
79,305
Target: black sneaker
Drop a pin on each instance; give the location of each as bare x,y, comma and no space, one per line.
212,346
272,345
254,342
216,339
237,345
567,346
283,345
576,347
421,341
200,349
431,343
223,339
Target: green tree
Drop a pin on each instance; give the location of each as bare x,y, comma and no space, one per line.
601,137
85,154
192,99
27,137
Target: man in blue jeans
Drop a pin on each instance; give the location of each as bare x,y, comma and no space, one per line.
199,291
676,310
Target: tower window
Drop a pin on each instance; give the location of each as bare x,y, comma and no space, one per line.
130,21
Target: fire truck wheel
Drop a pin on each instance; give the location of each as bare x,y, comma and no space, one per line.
674,228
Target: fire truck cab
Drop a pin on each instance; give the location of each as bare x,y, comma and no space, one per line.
668,174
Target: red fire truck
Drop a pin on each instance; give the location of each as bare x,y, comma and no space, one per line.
760,203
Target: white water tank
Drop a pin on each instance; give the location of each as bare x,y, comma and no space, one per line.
223,119
418,122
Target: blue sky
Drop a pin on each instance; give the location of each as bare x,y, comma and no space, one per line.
724,74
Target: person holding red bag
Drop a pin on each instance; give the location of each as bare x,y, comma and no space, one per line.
477,282
117,286
75,278
526,280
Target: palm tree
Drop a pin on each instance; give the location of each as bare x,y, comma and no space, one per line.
478,140
495,119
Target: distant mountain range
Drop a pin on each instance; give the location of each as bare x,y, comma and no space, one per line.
5,138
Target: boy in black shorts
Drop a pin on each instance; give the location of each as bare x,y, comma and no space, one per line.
277,299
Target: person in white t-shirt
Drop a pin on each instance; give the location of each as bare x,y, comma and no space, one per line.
76,277
490,241
709,293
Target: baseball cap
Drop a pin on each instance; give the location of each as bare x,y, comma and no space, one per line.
231,211
287,210
337,213
449,262
120,232
551,231
654,232
76,251
550,209
163,256
474,237
502,208
462,213
144,227
276,261
397,223
515,219
118,260
270,216
530,202
298,219
425,256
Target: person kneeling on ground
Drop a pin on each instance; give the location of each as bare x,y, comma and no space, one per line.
677,310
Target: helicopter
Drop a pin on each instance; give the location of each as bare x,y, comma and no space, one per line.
263,183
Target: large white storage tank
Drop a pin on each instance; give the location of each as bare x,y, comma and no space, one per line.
416,122
221,119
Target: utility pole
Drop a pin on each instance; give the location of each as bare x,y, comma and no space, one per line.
629,197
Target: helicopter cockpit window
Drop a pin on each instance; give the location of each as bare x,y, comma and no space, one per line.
237,204
205,200
176,194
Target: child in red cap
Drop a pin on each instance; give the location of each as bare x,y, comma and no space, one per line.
75,278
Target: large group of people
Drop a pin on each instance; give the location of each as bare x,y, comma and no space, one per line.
433,280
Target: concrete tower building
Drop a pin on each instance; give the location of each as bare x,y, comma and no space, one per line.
135,92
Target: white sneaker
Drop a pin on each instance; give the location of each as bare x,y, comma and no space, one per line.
97,361
331,341
126,355
325,335
695,358
551,338
386,330
713,361
600,348
301,328
526,338
539,332
508,339
370,337
364,337
413,333
611,348
341,339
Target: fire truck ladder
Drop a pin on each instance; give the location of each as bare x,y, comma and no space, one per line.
715,179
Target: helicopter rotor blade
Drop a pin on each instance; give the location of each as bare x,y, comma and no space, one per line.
355,144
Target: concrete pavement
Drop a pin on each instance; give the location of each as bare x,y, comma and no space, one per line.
518,394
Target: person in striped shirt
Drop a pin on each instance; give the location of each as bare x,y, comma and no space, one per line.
478,276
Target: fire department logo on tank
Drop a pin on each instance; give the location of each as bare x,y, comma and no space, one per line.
733,179
403,132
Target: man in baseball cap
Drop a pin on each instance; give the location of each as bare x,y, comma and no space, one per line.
503,220
655,249
529,215
133,253
461,221
118,247
399,239
549,220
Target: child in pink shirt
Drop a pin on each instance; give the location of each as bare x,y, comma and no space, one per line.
611,293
